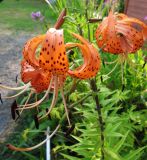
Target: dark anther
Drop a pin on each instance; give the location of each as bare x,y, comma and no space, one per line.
1,99
70,130
16,78
13,110
36,121
123,87
71,52
18,115
49,117
17,112
120,34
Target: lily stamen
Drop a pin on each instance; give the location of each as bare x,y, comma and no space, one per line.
38,102
14,88
55,95
36,146
26,102
65,107
16,95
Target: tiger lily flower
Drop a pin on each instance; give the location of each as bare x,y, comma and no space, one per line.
118,34
53,60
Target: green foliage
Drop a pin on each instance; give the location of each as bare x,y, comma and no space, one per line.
16,15
119,129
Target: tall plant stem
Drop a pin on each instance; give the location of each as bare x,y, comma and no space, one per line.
100,119
95,90
88,27
122,75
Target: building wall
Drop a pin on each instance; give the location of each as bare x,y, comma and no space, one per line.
136,8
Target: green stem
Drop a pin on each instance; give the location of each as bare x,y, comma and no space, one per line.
122,76
100,119
96,98
88,27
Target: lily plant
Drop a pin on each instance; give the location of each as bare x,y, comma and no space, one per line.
45,64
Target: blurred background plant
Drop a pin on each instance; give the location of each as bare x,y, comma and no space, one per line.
124,112
21,11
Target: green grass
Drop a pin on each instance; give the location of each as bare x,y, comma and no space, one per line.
15,14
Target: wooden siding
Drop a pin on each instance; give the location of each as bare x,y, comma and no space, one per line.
136,8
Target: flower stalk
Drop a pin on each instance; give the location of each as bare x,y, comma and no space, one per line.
95,90
100,119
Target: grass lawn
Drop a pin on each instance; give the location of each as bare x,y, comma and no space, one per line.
15,14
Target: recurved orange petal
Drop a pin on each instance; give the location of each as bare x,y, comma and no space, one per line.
101,33
133,37
39,78
137,24
53,55
106,36
29,50
91,58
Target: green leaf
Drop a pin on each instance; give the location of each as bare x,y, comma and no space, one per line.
113,154
120,143
77,138
132,154
29,155
70,157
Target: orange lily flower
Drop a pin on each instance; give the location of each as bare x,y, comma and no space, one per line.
53,61
119,33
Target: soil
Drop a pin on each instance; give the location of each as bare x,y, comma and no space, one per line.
11,45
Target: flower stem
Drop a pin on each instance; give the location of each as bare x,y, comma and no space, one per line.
95,90
88,27
100,119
